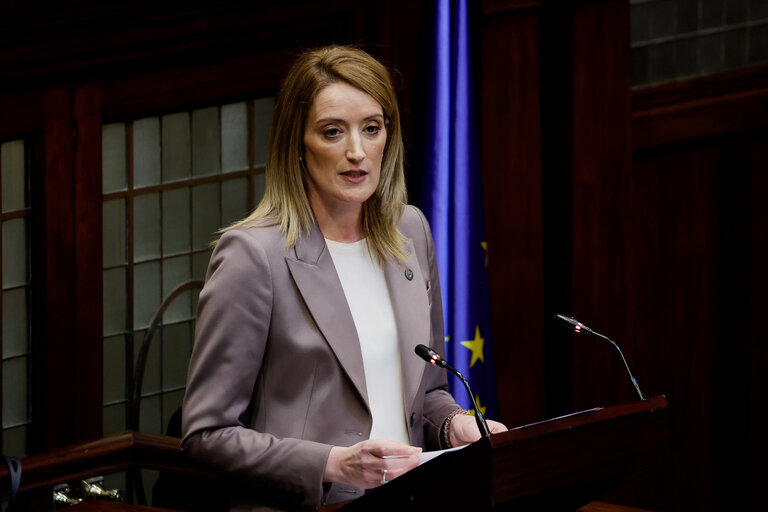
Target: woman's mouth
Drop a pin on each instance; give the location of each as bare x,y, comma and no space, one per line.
354,175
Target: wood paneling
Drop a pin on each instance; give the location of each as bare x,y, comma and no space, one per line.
512,179
87,293
54,350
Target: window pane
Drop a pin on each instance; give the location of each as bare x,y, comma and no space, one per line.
176,350
14,392
114,419
176,221
176,146
234,200
171,403
151,382
14,253
113,232
150,415
175,272
200,265
146,293
146,152
13,176
146,237
259,185
205,141
115,301
15,322
114,174
206,214
15,440
234,137
262,118
114,369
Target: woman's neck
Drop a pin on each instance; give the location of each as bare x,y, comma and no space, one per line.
343,223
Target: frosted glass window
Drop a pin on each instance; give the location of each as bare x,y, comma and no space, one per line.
15,439
146,152
15,322
13,176
176,349
146,293
206,138
176,146
200,265
146,214
14,296
150,420
176,271
175,221
113,161
114,368
206,214
234,137
14,253
114,418
171,182
171,402
234,200
152,378
262,118
681,39
113,232
14,403
259,186
115,301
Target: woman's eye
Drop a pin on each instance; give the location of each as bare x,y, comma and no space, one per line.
372,129
332,133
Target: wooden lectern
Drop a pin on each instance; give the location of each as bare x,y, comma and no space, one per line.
555,465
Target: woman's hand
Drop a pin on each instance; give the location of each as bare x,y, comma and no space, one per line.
463,429
363,464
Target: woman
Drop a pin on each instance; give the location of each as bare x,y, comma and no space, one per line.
303,384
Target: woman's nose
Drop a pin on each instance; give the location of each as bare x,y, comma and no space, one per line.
355,151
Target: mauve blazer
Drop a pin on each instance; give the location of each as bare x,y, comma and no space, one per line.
276,376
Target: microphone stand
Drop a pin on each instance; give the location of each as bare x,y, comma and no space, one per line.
579,327
434,358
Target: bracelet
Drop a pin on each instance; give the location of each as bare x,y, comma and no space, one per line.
447,426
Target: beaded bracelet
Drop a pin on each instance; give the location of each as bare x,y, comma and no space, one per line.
447,426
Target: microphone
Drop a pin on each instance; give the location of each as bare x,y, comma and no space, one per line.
434,358
578,327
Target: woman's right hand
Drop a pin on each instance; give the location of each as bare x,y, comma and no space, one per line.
363,464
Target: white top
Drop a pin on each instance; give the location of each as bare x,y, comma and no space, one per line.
365,288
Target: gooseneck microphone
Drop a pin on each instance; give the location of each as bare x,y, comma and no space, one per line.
434,358
578,327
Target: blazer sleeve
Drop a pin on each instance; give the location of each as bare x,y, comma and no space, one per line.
438,403
231,337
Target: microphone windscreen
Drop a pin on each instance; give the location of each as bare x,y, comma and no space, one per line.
424,352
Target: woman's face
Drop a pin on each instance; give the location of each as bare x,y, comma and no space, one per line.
344,139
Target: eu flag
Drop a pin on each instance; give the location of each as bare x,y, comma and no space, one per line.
451,197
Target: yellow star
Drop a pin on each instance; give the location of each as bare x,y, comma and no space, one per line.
479,406
476,346
485,248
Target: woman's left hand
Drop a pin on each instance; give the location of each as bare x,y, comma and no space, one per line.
463,429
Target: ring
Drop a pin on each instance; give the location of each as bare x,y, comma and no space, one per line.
384,477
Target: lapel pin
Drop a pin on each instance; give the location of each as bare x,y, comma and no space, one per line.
409,274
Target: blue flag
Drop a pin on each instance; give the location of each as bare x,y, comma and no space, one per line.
451,198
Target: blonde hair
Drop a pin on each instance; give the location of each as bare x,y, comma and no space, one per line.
285,200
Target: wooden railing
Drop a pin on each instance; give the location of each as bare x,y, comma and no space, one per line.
120,452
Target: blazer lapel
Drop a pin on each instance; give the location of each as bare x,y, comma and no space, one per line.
411,306
315,276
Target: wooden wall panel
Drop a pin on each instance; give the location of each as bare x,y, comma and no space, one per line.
54,350
512,180
601,162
